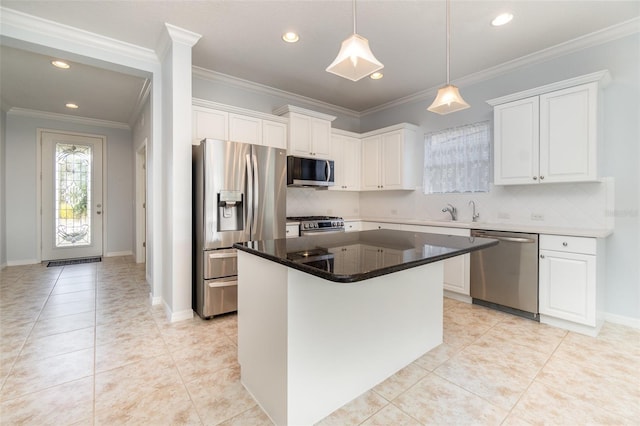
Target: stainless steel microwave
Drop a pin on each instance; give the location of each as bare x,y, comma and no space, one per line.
309,172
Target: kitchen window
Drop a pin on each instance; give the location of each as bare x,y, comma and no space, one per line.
458,159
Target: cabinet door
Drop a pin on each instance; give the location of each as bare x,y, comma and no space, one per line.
567,286
371,258
345,152
209,123
300,135
245,129
391,160
321,138
351,160
371,163
456,274
274,134
338,147
568,134
516,140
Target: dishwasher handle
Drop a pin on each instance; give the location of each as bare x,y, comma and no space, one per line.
501,238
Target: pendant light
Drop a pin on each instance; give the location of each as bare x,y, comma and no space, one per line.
448,98
355,59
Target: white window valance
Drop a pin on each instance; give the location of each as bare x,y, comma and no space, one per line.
458,159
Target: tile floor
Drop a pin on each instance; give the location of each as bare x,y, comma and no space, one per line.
81,345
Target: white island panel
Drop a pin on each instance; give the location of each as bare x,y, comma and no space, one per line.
329,341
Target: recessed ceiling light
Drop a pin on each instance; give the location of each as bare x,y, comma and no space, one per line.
60,64
290,37
376,76
503,18
71,105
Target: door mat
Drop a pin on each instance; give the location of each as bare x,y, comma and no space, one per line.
66,262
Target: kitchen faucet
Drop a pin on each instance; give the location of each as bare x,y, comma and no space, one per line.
452,211
474,215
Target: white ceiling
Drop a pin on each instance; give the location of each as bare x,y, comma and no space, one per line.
242,39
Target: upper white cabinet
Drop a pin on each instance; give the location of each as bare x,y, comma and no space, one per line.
274,134
209,123
245,129
548,134
345,152
388,158
309,132
217,121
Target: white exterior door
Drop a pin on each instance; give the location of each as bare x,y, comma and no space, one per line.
71,195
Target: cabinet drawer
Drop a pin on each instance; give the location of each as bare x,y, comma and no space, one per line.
568,244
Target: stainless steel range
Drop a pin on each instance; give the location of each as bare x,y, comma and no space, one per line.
317,225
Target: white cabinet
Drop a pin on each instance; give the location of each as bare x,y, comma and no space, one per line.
274,134
352,226
347,258
245,129
292,231
456,281
345,152
388,159
375,258
570,271
309,132
209,123
549,137
309,136
225,122
456,269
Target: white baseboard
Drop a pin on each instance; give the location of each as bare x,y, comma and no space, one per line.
22,262
118,253
155,301
457,296
177,316
622,320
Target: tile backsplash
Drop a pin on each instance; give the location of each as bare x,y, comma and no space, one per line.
577,205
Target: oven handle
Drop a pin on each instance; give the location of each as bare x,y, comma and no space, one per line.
303,233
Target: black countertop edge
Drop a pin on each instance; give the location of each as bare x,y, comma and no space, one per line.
329,276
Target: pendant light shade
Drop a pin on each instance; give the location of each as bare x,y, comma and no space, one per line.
448,99
355,59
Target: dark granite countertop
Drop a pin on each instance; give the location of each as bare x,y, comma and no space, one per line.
357,256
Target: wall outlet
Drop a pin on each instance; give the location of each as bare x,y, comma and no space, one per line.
537,216
503,215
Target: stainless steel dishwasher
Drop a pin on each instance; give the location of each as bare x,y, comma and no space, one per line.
505,276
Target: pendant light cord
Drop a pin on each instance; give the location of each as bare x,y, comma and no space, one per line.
448,41
354,17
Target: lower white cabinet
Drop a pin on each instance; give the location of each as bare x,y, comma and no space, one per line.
456,269
570,271
292,231
352,226
347,258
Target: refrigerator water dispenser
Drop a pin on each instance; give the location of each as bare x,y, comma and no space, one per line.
230,209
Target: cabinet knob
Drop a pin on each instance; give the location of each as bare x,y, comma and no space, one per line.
542,256
535,178
564,244
541,177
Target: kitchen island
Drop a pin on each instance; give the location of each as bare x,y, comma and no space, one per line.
322,319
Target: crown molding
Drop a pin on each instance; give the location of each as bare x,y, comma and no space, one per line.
29,28
231,81
175,34
68,118
605,35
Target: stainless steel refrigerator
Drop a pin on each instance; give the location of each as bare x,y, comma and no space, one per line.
239,194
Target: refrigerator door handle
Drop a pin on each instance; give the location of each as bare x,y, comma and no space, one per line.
250,189
256,193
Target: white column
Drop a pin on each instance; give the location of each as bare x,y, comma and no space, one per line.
175,58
